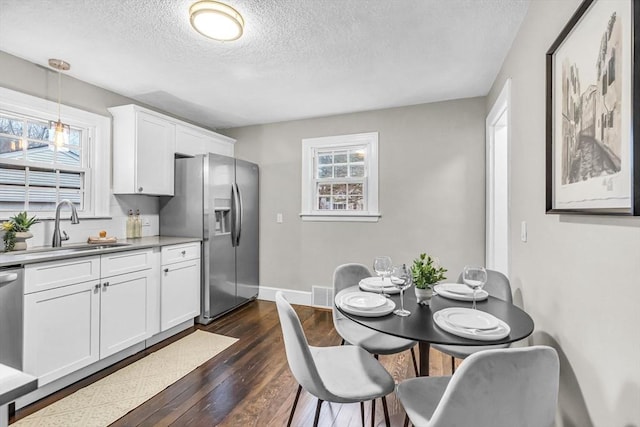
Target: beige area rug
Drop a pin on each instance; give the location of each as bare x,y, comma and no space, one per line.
108,399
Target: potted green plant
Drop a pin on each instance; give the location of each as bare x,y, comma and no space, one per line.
426,272
16,231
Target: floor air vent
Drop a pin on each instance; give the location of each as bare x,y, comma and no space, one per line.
322,297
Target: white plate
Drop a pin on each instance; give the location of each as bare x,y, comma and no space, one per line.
501,331
442,289
383,310
457,288
363,300
376,282
366,286
468,318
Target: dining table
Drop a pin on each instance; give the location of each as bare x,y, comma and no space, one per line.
419,325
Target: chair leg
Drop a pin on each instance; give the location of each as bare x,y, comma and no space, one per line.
415,363
342,343
406,420
317,417
386,411
295,403
453,365
362,413
373,412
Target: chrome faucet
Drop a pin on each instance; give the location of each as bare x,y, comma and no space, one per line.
57,237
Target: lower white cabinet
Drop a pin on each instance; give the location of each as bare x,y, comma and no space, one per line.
124,312
72,326
61,330
179,284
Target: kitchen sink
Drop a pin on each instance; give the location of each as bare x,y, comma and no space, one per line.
74,248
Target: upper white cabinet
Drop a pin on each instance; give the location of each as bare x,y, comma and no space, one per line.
191,141
144,146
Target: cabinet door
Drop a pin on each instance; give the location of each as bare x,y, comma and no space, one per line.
189,141
180,293
61,328
155,149
124,311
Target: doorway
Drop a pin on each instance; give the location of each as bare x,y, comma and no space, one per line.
497,194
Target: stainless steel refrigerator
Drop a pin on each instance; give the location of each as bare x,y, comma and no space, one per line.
216,199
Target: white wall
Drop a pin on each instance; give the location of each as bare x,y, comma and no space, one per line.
431,192
578,276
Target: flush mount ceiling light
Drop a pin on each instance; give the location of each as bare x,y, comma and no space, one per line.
216,20
58,131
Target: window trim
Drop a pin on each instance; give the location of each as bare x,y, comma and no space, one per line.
98,150
309,147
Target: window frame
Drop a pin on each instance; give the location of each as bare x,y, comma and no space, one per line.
97,133
310,148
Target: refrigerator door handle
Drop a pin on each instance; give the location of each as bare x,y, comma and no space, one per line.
234,214
240,214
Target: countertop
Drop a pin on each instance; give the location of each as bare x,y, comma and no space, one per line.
14,383
75,250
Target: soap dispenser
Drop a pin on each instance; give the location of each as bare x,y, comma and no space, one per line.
130,225
137,225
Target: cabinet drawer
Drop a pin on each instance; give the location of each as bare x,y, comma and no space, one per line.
126,262
177,253
49,275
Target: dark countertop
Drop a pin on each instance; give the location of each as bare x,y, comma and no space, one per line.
75,250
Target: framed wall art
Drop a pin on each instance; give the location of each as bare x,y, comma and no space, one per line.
592,152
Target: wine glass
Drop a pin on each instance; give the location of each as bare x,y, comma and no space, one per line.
382,266
475,278
401,279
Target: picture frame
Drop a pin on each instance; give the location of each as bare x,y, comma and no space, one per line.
592,152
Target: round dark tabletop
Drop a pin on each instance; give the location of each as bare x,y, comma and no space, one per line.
419,326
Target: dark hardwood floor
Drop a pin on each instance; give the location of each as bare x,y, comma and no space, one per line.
249,384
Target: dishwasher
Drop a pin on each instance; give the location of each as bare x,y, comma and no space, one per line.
11,322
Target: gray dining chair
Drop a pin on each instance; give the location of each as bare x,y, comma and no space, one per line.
498,286
353,333
340,374
492,388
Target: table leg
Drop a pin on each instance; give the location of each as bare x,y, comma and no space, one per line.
423,348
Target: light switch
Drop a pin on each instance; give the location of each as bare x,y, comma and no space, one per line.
523,231
279,218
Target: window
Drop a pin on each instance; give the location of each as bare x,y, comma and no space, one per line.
340,178
35,174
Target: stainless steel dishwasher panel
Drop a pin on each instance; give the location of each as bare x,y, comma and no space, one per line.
11,322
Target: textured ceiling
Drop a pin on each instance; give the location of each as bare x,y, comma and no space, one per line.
296,59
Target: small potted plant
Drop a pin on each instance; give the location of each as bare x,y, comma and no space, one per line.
425,273
16,231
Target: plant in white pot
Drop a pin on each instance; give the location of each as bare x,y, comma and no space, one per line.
426,272
16,231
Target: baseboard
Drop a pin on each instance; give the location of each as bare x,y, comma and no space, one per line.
294,297
300,297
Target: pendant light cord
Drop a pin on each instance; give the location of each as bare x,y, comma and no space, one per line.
59,86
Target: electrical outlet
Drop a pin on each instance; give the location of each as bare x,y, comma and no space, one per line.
279,218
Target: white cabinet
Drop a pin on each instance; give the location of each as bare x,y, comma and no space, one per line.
61,328
179,284
127,300
143,151
72,322
192,140
61,324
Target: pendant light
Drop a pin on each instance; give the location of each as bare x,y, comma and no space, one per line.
58,131
216,20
